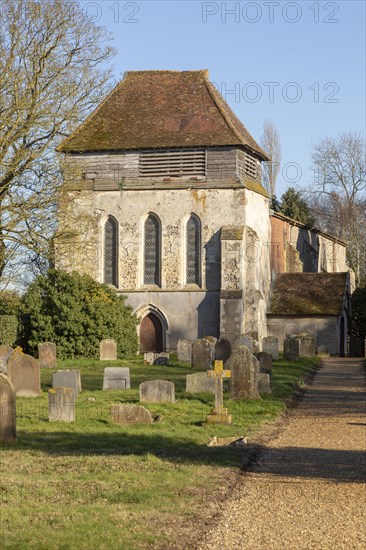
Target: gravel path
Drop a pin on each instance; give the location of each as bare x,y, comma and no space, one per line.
307,490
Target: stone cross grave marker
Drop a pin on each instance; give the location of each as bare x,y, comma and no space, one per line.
25,374
61,405
5,354
219,415
47,355
116,378
67,379
107,350
8,433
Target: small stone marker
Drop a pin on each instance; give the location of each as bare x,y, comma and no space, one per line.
307,345
265,362
5,353
184,351
199,382
61,405
8,432
108,350
152,358
222,350
157,391
291,349
25,374
264,383
244,374
219,415
270,345
202,355
116,378
67,379
130,414
47,355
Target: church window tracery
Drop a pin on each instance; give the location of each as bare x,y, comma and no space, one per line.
152,251
110,275
193,251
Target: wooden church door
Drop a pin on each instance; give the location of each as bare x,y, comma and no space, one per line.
151,334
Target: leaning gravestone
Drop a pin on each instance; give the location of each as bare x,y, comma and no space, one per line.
157,391
222,350
184,351
128,413
8,432
25,374
5,353
200,382
291,348
202,355
244,374
116,378
270,345
108,350
265,362
47,355
264,383
61,405
307,345
67,379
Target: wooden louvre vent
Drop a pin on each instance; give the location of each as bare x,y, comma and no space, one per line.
173,162
251,166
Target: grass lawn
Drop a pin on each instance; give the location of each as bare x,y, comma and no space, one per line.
96,485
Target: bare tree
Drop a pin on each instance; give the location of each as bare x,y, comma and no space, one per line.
338,195
271,144
53,72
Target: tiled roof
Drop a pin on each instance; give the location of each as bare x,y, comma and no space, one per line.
308,294
161,109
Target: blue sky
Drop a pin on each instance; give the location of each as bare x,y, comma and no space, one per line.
300,64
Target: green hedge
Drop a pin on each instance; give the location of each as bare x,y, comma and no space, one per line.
8,329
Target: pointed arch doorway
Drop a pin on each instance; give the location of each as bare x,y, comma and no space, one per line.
151,334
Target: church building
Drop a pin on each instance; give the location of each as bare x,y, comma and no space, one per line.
163,200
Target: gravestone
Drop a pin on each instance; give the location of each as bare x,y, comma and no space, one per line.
222,350
307,345
244,340
152,358
67,379
5,353
8,432
47,355
128,413
184,351
265,362
270,345
323,351
157,391
199,382
291,348
212,341
219,415
25,374
244,374
264,383
202,356
108,350
116,378
61,405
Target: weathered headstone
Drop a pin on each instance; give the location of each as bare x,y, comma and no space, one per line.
291,348
157,391
5,353
264,383
25,374
219,415
47,355
152,358
116,378
199,382
108,350
128,413
265,362
8,432
244,340
202,355
270,345
61,405
307,344
222,349
244,374
67,379
184,351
